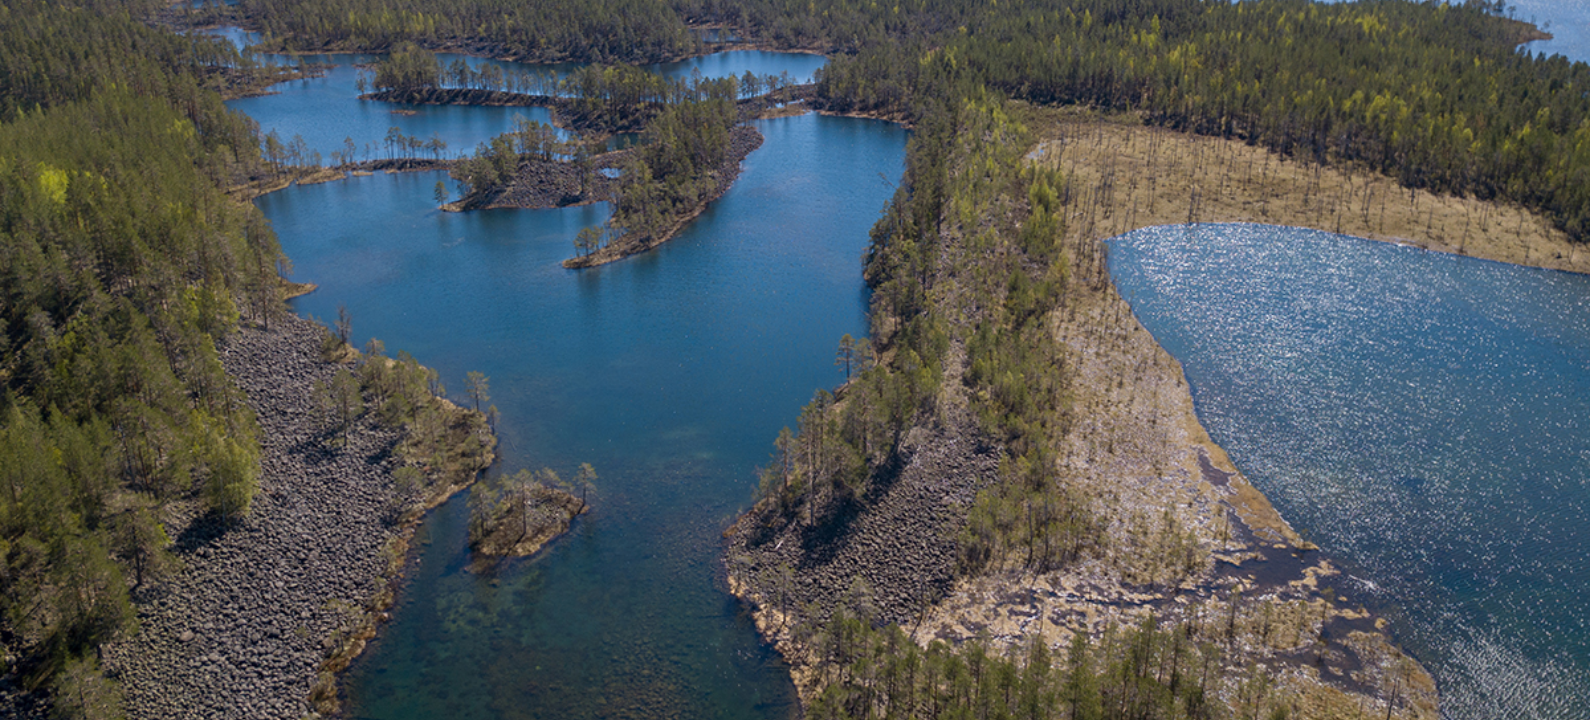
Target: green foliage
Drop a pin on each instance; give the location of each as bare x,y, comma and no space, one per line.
677,167
526,505
1433,94
407,68
479,387
82,693
1032,516
854,355
550,31
497,161
122,263
52,53
344,401
1143,672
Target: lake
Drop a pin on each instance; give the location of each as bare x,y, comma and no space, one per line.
1423,417
671,372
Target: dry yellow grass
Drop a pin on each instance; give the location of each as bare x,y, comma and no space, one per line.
1132,176
1137,447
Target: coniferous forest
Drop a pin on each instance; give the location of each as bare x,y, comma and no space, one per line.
1431,93
123,263
124,260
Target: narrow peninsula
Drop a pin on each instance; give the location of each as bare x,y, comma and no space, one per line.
1010,505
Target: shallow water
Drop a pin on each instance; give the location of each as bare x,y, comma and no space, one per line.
1421,416
671,372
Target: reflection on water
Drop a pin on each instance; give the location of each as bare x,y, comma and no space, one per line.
327,113
1422,416
671,372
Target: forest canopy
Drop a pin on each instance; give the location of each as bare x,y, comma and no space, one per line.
1434,94
122,262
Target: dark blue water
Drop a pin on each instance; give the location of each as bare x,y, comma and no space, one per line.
670,372
1424,417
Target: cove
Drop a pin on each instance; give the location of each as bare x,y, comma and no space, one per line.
670,372
1421,416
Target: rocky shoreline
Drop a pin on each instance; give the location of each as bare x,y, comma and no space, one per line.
545,184
902,547
1183,538
243,630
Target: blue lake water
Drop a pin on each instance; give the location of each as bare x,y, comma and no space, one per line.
326,112
1423,417
1568,23
1418,415
670,372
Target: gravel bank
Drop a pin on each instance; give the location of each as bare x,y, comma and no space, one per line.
241,631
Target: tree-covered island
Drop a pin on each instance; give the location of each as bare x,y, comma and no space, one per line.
1010,510
693,137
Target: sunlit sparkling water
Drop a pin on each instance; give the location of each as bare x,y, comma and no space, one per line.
1424,417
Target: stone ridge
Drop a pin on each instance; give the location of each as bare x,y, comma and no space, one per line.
902,547
242,629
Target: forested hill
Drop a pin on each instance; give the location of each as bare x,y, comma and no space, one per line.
52,53
122,261
546,31
1434,94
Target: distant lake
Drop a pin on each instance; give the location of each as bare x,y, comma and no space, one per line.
327,113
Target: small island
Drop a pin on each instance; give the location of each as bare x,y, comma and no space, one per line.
517,515
693,139
211,500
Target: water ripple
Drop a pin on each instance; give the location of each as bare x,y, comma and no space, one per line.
1420,415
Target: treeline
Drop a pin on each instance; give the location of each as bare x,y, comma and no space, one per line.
52,53
682,163
603,98
517,514
627,31
972,259
679,167
1432,94
443,445
1147,672
963,170
831,26
123,264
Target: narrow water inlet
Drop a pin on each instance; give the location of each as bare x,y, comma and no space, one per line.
671,372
